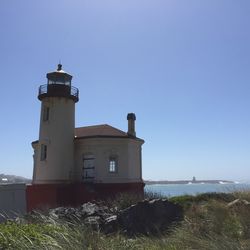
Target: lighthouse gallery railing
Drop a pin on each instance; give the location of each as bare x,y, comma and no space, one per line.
43,89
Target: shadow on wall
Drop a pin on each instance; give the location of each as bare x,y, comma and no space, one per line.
12,200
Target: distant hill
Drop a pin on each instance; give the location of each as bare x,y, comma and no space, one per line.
6,179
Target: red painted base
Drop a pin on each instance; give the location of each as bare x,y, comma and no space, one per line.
44,196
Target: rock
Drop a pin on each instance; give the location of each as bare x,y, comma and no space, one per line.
89,213
93,221
146,217
89,209
63,213
110,225
238,202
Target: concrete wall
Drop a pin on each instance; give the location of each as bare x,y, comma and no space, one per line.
12,200
127,151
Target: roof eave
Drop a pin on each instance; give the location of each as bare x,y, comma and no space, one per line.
109,136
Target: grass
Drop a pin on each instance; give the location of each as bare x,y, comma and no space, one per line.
208,224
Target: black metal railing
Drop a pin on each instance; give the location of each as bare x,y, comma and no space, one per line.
74,91
58,90
43,89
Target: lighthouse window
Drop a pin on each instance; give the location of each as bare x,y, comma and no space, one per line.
112,165
45,114
43,152
51,82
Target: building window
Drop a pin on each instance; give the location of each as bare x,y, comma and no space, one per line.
112,164
88,167
43,152
45,114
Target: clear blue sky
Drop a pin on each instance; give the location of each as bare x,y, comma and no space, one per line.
182,66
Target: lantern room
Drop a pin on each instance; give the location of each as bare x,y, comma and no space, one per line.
58,85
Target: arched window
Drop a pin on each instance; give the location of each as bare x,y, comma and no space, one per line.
113,164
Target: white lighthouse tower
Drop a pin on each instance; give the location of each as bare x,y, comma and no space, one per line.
54,151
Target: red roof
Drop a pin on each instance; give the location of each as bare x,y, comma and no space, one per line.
104,130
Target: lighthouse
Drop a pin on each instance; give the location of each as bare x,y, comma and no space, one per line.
75,165
54,151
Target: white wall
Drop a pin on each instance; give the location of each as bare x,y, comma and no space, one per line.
128,156
58,134
12,200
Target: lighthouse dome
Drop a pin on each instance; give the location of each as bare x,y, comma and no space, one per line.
59,77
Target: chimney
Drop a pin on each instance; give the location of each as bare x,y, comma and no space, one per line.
131,124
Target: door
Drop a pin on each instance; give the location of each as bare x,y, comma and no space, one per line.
88,168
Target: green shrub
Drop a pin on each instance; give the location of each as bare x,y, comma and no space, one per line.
227,197
149,195
185,200
28,236
122,201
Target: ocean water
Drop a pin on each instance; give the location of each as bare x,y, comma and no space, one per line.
193,189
